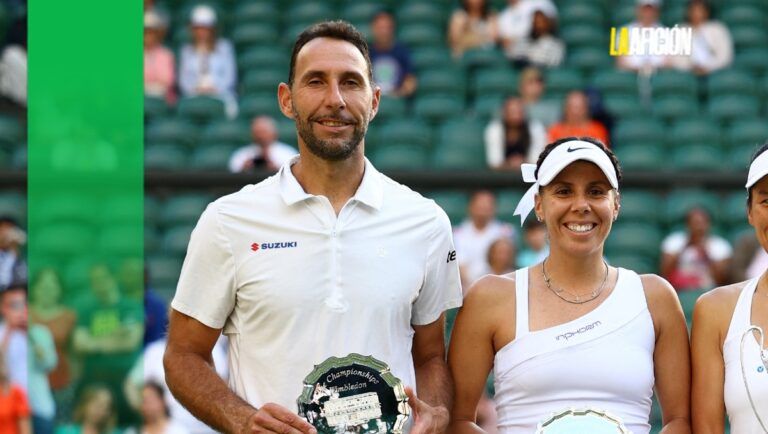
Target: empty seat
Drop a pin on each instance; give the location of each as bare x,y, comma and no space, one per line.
11,131
361,11
256,12
421,35
698,157
733,211
585,34
560,81
459,158
640,206
635,237
201,108
154,107
637,263
65,239
454,203
400,157
464,132
490,57
426,14
436,108
730,82
745,37
391,108
697,130
673,107
406,132
641,156
171,130
733,107
13,204
230,132
267,56
680,201
443,81
176,239
647,130
589,59
430,57
668,83
615,82
254,34
165,156
263,81
752,59
184,208
164,270
738,15
214,158
753,131
310,12
625,105
496,81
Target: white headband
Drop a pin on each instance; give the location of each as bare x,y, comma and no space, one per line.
757,170
557,160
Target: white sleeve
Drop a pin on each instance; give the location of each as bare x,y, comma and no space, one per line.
206,289
494,144
441,289
673,244
719,249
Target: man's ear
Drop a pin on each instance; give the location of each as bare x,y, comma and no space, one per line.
285,99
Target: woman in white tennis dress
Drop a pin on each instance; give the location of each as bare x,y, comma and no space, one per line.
730,369
572,333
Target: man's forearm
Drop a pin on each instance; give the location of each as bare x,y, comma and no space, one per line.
196,385
434,384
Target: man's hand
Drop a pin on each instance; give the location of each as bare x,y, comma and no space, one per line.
275,419
426,419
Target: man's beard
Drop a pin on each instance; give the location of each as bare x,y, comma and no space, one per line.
327,149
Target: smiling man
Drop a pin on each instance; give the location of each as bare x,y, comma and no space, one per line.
327,258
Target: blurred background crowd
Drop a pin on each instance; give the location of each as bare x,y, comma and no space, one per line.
475,86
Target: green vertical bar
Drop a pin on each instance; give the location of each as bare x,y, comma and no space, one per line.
86,176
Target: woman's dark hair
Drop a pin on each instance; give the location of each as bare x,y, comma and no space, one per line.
534,34
157,388
598,143
486,10
702,3
339,29
757,153
524,138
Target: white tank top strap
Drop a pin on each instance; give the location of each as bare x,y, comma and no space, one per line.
521,302
743,311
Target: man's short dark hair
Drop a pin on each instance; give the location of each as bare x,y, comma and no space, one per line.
338,29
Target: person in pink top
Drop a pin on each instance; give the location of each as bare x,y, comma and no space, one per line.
159,69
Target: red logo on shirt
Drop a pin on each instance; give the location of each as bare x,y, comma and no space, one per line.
255,246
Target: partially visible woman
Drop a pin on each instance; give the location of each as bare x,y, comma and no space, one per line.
159,62
542,47
712,45
155,412
572,332
94,413
471,26
513,139
725,382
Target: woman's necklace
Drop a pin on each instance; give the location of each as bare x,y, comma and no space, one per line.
576,299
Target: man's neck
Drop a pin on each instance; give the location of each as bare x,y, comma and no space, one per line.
336,180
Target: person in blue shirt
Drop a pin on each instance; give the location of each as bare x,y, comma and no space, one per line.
391,60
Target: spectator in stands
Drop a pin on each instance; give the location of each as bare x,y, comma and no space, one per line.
541,47
391,60
535,247
695,258
13,60
749,258
13,332
475,235
265,152
155,313
472,26
46,309
207,64
94,413
109,333
159,62
13,267
512,139
155,413
647,16
532,88
501,257
712,46
516,20
14,407
577,121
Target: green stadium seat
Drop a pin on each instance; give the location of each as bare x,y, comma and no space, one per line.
733,211
361,11
19,157
270,56
615,82
11,131
435,108
212,158
560,81
673,14
673,107
391,108
578,12
426,14
57,239
459,158
460,133
230,132
258,104
742,15
668,83
201,109
584,34
310,12
680,201
410,132
286,131
506,202
752,59
254,12
739,157
636,237
641,156
698,157
165,156
487,106
748,132
154,107
688,301
184,209
176,239
730,82
638,263
121,240
496,81
749,37
623,14
454,203
261,81
648,130
164,270
151,209
400,157
589,59
151,240
639,206
734,107
430,58
693,131
483,58
173,130
443,81
625,106
13,204
421,35
253,34
5,158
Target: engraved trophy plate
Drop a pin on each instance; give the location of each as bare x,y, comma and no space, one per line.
356,394
582,421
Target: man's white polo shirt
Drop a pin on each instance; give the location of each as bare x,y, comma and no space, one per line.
292,284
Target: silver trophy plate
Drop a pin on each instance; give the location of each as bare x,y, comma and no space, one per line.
354,394
582,421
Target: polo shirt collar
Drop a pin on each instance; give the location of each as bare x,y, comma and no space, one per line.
370,191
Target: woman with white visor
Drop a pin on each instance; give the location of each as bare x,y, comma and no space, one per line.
575,344
730,362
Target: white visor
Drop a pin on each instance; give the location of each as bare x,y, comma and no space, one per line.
757,170
557,160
